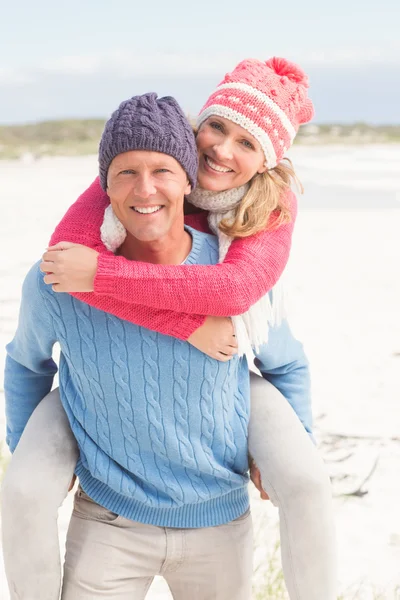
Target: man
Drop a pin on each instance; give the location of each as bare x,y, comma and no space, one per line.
161,428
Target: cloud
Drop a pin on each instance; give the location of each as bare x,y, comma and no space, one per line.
355,56
15,77
127,64
124,65
343,88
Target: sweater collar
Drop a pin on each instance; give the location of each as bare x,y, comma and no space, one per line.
197,242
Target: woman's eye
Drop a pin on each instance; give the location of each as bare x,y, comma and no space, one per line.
248,144
126,172
162,171
216,125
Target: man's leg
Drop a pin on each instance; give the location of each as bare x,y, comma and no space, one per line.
109,556
216,562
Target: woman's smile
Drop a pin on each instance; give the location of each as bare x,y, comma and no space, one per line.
215,166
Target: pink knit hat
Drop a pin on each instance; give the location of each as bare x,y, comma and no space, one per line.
268,99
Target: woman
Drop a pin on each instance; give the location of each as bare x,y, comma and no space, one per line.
245,128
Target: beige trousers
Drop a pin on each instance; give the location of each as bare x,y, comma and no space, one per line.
111,557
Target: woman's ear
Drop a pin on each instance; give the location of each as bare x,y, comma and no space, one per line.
263,168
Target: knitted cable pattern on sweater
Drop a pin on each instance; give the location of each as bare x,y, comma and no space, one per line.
188,414
155,420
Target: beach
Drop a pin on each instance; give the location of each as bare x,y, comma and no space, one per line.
343,296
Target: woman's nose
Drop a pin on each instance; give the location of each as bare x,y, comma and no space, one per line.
223,150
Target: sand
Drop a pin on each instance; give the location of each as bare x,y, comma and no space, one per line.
344,297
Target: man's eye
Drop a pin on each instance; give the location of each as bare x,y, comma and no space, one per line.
127,172
162,171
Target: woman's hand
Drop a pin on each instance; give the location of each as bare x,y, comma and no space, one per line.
70,267
216,338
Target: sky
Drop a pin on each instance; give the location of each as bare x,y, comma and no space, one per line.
81,58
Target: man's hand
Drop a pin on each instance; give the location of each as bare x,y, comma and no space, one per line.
70,267
216,338
71,485
255,476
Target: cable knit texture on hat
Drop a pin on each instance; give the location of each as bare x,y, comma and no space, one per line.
149,123
268,99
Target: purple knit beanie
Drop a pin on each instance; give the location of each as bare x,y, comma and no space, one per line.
149,123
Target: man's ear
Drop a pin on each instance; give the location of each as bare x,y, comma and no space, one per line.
188,189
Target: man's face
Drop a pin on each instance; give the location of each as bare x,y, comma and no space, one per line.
146,191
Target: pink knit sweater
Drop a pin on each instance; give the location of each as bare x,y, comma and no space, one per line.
175,300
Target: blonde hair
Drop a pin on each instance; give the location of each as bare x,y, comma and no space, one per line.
267,197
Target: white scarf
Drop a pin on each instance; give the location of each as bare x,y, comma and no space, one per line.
252,327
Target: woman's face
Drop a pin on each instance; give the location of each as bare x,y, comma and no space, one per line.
228,155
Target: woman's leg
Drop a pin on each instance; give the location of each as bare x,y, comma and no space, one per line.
294,477
34,487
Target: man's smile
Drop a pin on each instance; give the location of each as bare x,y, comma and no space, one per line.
146,210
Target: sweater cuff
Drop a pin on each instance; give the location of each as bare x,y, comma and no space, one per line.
186,325
104,281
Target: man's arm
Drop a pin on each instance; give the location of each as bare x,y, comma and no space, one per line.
283,363
29,369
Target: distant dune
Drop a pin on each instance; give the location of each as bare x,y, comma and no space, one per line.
76,137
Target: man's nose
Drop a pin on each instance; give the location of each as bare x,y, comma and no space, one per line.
144,186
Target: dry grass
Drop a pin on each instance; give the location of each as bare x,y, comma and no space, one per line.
271,584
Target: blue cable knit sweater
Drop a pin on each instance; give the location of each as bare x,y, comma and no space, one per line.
161,427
